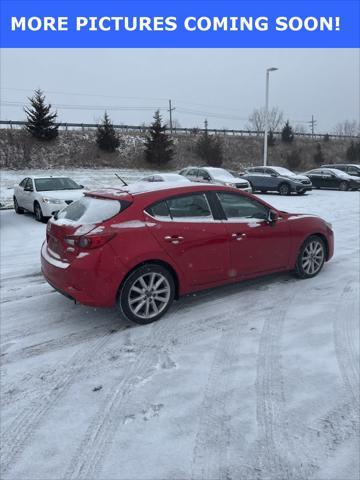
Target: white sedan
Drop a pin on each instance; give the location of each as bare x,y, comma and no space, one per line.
44,196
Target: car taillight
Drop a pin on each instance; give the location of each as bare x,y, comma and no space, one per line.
89,241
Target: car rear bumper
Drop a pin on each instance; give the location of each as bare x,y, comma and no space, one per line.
81,280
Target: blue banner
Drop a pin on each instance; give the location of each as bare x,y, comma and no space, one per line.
179,24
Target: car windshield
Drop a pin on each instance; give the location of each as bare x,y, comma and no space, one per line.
60,183
220,172
284,171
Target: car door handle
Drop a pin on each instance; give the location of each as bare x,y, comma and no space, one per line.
175,239
238,236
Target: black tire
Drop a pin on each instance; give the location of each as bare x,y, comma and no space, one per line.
130,294
284,189
263,191
302,192
18,209
303,269
344,186
39,217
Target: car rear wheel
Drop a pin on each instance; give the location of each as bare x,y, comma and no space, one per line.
311,257
147,294
284,189
38,213
17,209
344,186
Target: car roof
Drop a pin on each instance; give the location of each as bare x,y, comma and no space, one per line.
38,177
148,189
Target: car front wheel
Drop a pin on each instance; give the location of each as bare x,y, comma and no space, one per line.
147,294
344,186
38,213
311,257
284,189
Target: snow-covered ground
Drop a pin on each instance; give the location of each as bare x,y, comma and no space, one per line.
259,380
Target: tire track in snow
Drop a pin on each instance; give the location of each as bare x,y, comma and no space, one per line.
87,461
88,457
211,443
345,341
19,432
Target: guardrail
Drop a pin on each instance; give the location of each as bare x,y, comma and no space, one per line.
178,130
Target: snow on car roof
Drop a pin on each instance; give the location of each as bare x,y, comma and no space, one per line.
139,188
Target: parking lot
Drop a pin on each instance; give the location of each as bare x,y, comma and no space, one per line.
258,380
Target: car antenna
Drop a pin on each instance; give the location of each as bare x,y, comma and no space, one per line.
123,181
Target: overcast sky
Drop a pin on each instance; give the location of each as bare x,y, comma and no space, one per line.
223,86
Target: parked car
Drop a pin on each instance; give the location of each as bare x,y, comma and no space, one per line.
277,179
45,195
333,178
218,176
140,250
165,177
349,168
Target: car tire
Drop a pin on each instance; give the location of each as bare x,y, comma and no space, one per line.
18,209
311,257
302,192
284,189
146,294
263,191
39,217
344,186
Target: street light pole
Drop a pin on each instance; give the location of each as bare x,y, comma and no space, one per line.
268,70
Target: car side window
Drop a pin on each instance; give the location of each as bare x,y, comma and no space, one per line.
29,184
23,182
257,170
194,206
241,207
159,210
192,172
203,174
353,171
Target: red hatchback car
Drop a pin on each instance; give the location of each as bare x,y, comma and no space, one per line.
142,246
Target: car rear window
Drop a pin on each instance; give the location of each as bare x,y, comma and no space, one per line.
91,210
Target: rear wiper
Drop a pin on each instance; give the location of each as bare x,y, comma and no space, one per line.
123,181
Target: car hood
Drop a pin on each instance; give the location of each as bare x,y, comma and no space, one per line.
296,177
229,180
63,194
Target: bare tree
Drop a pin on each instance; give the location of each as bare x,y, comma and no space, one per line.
257,119
348,127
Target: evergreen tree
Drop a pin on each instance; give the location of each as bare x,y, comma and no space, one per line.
40,120
271,139
158,144
353,152
106,137
287,134
318,155
209,148
293,159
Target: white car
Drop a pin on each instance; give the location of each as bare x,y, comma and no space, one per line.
44,196
165,177
218,176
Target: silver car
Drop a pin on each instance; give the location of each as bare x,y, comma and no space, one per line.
218,176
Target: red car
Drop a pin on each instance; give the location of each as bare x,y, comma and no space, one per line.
139,248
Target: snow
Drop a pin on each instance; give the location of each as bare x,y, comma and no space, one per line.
258,380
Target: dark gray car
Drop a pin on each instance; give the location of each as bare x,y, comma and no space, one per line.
277,179
349,168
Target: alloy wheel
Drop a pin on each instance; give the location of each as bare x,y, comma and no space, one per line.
313,257
149,295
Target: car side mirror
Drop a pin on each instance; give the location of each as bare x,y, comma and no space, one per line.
82,186
272,217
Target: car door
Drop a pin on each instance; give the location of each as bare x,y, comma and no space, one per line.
256,246
19,192
203,176
271,179
199,245
315,177
329,179
256,177
28,195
